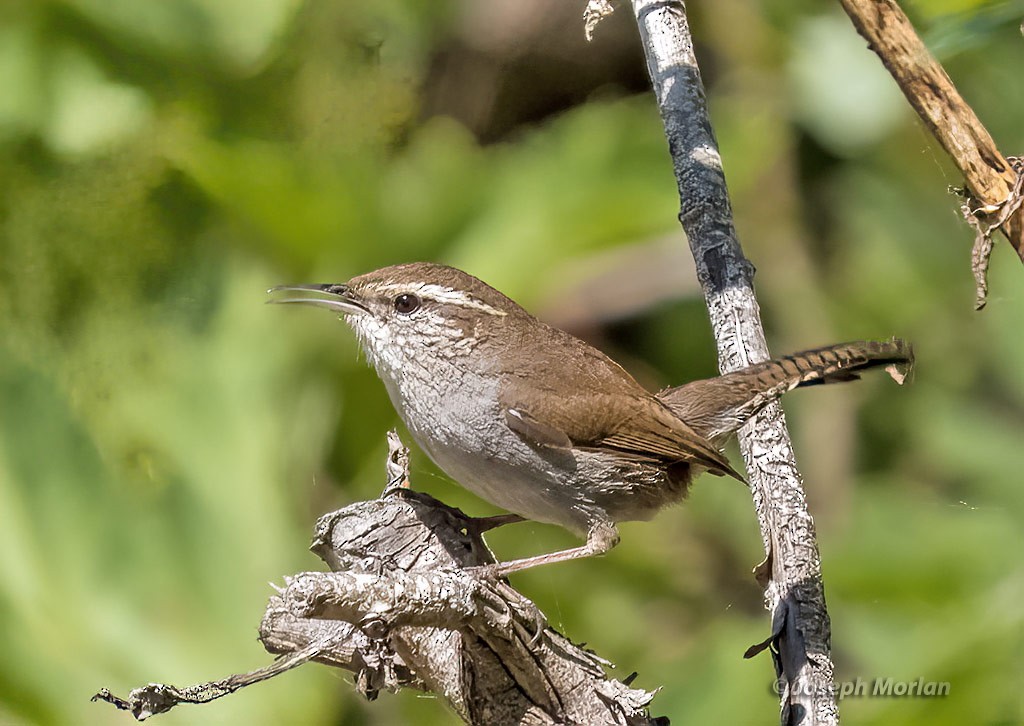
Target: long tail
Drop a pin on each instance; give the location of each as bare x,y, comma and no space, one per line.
716,407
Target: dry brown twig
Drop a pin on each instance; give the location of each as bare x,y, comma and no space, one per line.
993,182
992,193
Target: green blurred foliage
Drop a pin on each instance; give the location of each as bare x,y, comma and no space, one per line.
167,441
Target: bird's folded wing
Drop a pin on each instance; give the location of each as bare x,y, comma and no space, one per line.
634,425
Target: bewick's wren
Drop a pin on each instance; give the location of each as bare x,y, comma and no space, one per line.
542,424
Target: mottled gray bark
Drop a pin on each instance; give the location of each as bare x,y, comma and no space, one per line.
791,572
402,608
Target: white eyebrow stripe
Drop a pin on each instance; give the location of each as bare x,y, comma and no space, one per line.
445,295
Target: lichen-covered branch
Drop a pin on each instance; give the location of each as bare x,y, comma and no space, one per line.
403,608
800,636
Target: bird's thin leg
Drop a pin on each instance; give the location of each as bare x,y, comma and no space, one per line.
601,538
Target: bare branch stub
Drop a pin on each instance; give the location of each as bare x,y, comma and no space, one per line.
801,636
402,608
400,575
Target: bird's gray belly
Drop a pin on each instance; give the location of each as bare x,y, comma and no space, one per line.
573,489
464,434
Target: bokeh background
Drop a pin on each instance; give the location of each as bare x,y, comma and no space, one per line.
167,441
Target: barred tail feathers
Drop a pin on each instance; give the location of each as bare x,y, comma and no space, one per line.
715,407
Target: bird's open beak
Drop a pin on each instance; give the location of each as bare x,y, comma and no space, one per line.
332,296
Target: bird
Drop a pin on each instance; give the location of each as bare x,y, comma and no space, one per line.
541,423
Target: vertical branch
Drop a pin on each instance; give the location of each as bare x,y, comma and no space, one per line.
791,574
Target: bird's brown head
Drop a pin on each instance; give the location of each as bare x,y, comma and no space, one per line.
408,313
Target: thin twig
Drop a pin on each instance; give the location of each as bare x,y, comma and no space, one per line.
157,698
985,222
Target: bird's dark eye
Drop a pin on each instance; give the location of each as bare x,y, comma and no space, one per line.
406,303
